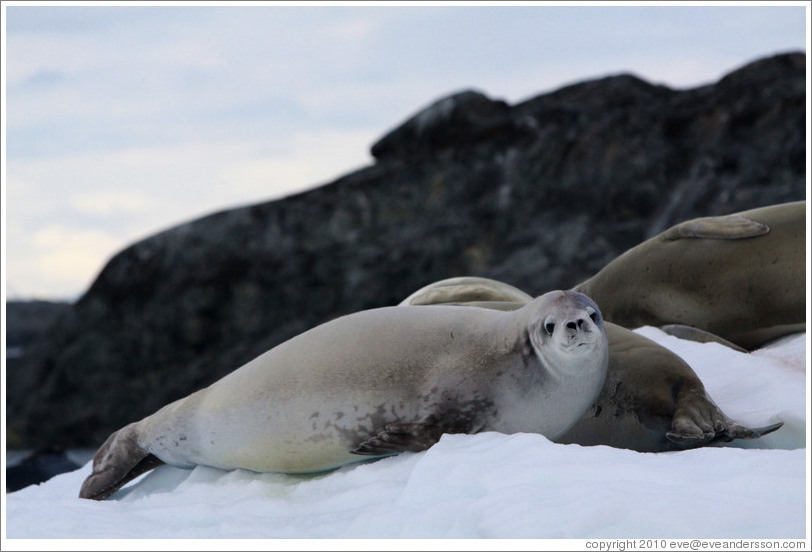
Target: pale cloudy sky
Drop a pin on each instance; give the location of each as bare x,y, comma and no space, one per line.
123,121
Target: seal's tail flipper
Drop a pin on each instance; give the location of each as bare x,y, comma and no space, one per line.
119,460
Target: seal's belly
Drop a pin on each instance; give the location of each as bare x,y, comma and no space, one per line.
274,434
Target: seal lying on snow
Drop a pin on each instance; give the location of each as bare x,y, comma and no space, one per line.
376,383
740,277
651,401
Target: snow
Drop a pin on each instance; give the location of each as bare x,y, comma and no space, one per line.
488,485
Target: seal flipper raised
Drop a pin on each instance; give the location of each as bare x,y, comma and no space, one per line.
729,227
118,461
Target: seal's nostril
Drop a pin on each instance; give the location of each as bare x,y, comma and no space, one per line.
573,326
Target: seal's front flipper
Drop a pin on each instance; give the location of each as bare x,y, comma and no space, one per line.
730,433
698,421
119,460
736,431
700,336
401,437
728,227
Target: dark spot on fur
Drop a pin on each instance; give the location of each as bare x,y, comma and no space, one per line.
675,389
453,416
598,410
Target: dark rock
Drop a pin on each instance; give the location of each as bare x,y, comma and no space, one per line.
452,122
38,467
27,320
541,195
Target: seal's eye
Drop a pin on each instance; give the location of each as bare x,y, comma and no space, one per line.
549,327
593,314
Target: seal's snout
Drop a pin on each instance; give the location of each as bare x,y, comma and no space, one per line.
584,323
576,325
577,331
574,329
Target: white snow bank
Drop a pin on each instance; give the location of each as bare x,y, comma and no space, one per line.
489,485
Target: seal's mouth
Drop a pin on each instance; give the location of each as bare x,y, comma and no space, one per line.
578,337
582,345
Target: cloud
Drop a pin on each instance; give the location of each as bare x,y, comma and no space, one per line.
110,203
58,261
66,218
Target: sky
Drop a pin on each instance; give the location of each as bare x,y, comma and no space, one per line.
121,121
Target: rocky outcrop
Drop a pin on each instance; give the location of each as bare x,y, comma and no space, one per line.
540,194
27,320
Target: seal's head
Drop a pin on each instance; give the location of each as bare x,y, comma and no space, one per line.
567,333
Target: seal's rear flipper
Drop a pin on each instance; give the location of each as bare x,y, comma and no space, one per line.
119,460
